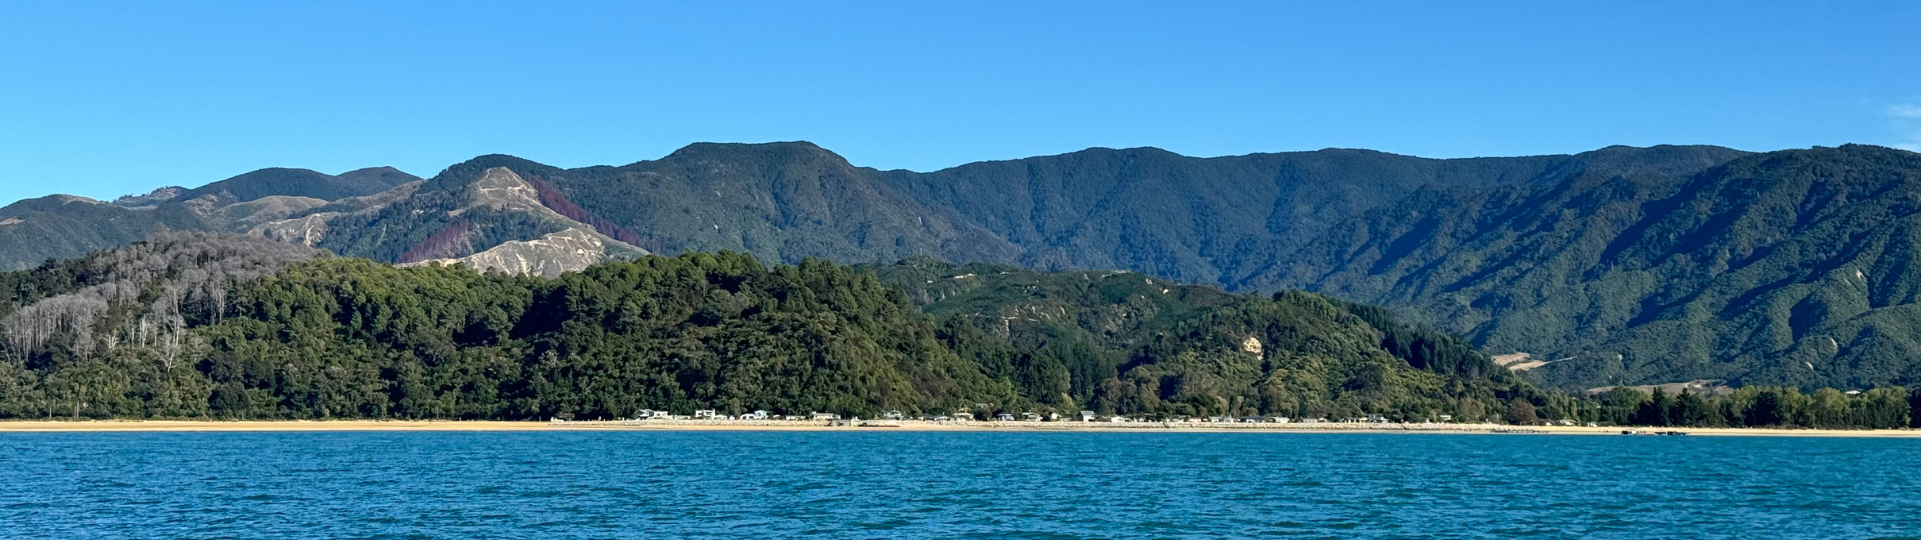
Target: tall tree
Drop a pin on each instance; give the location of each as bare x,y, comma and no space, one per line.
1520,413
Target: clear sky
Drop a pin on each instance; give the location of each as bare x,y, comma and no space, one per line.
102,98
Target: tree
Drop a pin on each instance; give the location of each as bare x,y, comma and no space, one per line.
1656,411
1520,413
229,401
1621,405
1692,411
1829,409
19,395
90,387
1470,410
1767,409
1914,407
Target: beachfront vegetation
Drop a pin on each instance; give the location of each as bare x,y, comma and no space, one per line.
1758,406
201,326
196,326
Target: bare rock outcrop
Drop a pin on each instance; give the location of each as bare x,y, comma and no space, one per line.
571,250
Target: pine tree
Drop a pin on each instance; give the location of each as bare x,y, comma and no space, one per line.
1914,407
1656,411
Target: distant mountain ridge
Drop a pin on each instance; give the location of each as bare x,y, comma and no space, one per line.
1634,265
65,227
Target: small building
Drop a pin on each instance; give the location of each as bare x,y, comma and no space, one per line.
1118,419
1031,417
756,415
825,416
1004,417
705,414
1087,416
892,415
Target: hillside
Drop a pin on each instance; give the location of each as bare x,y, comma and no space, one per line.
497,220
1785,268
65,227
302,183
1195,220
277,333
62,227
1126,342
1617,266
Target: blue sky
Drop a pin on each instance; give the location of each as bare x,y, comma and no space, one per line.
102,99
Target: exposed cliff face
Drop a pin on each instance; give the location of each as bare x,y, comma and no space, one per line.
308,226
250,214
501,189
571,250
496,220
307,231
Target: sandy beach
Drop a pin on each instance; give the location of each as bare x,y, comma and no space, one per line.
45,426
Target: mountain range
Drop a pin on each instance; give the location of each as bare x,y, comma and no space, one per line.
1618,266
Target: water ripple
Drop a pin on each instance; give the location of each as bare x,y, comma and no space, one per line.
950,485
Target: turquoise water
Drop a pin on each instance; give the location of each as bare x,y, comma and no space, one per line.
951,485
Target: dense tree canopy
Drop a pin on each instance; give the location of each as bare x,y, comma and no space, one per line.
189,326
195,326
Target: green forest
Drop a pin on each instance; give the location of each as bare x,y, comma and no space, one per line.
204,326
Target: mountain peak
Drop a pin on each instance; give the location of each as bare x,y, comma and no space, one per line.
788,151
274,181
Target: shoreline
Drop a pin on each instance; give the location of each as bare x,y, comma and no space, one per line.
261,426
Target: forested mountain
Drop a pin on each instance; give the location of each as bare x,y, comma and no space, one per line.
62,227
1209,220
1196,220
233,327
65,227
1215,220
302,183
1617,266
1786,268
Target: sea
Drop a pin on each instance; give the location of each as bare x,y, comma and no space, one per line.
648,485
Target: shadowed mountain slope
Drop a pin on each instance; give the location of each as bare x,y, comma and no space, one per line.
1790,267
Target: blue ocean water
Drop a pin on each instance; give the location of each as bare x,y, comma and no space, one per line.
951,485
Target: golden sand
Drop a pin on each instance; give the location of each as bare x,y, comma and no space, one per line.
740,425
